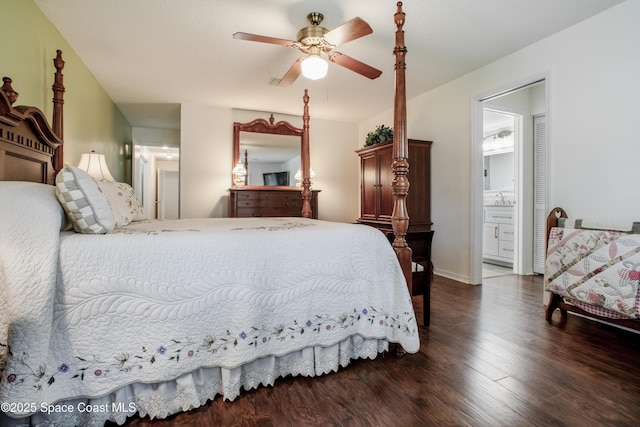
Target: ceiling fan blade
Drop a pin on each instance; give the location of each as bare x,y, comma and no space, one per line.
263,39
354,65
292,74
348,31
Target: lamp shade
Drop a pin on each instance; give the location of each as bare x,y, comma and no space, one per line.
314,67
95,165
298,174
239,173
239,170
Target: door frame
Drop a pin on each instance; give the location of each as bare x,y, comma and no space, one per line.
476,188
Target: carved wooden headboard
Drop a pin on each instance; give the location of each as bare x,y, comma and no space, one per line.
31,149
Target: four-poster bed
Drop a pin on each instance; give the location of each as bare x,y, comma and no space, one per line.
155,318
400,166
401,217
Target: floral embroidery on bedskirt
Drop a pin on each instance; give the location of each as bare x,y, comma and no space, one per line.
175,350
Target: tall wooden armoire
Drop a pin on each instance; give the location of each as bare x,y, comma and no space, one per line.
376,198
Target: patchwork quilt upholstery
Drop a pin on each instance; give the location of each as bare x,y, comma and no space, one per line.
597,270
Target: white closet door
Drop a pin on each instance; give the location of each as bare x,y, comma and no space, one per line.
540,189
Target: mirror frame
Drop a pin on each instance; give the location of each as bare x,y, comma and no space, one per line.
262,126
282,128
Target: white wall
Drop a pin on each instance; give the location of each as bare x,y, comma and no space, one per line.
156,137
592,70
168,165
337,168
206,153
206,143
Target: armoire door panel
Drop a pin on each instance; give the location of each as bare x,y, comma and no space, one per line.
376,207
419,199
369,187
385,202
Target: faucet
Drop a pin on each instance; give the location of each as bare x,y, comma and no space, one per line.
501,198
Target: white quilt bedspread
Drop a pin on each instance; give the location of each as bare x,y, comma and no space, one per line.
158,299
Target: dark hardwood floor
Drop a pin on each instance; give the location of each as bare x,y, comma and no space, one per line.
487,359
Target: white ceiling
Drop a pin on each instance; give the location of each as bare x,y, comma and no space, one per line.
164,153
152,55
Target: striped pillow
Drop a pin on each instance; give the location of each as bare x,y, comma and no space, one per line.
86,206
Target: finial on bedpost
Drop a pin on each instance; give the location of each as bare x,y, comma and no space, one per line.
304,159
400,165
6,87
58,107
398,17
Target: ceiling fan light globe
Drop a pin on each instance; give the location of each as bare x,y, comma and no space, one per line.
314,67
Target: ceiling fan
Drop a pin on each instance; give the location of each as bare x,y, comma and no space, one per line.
316,42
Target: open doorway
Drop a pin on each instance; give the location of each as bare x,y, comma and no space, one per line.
156,180
523,102
501,138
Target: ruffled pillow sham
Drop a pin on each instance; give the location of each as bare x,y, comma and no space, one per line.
125,205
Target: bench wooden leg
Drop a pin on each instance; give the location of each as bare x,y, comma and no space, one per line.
554,302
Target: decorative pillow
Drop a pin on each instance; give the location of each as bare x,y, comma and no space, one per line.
124,203
85,204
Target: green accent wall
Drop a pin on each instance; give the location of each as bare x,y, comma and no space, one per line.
91,119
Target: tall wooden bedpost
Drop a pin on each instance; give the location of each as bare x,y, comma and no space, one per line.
305,163
400,165
58,109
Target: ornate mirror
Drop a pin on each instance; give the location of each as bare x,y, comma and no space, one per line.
270,152
262,133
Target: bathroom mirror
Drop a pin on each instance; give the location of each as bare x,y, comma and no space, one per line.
499,172
498,148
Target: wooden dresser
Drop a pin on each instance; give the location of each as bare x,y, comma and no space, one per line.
269,202
376,202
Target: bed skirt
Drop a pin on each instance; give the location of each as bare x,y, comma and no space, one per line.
194,389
